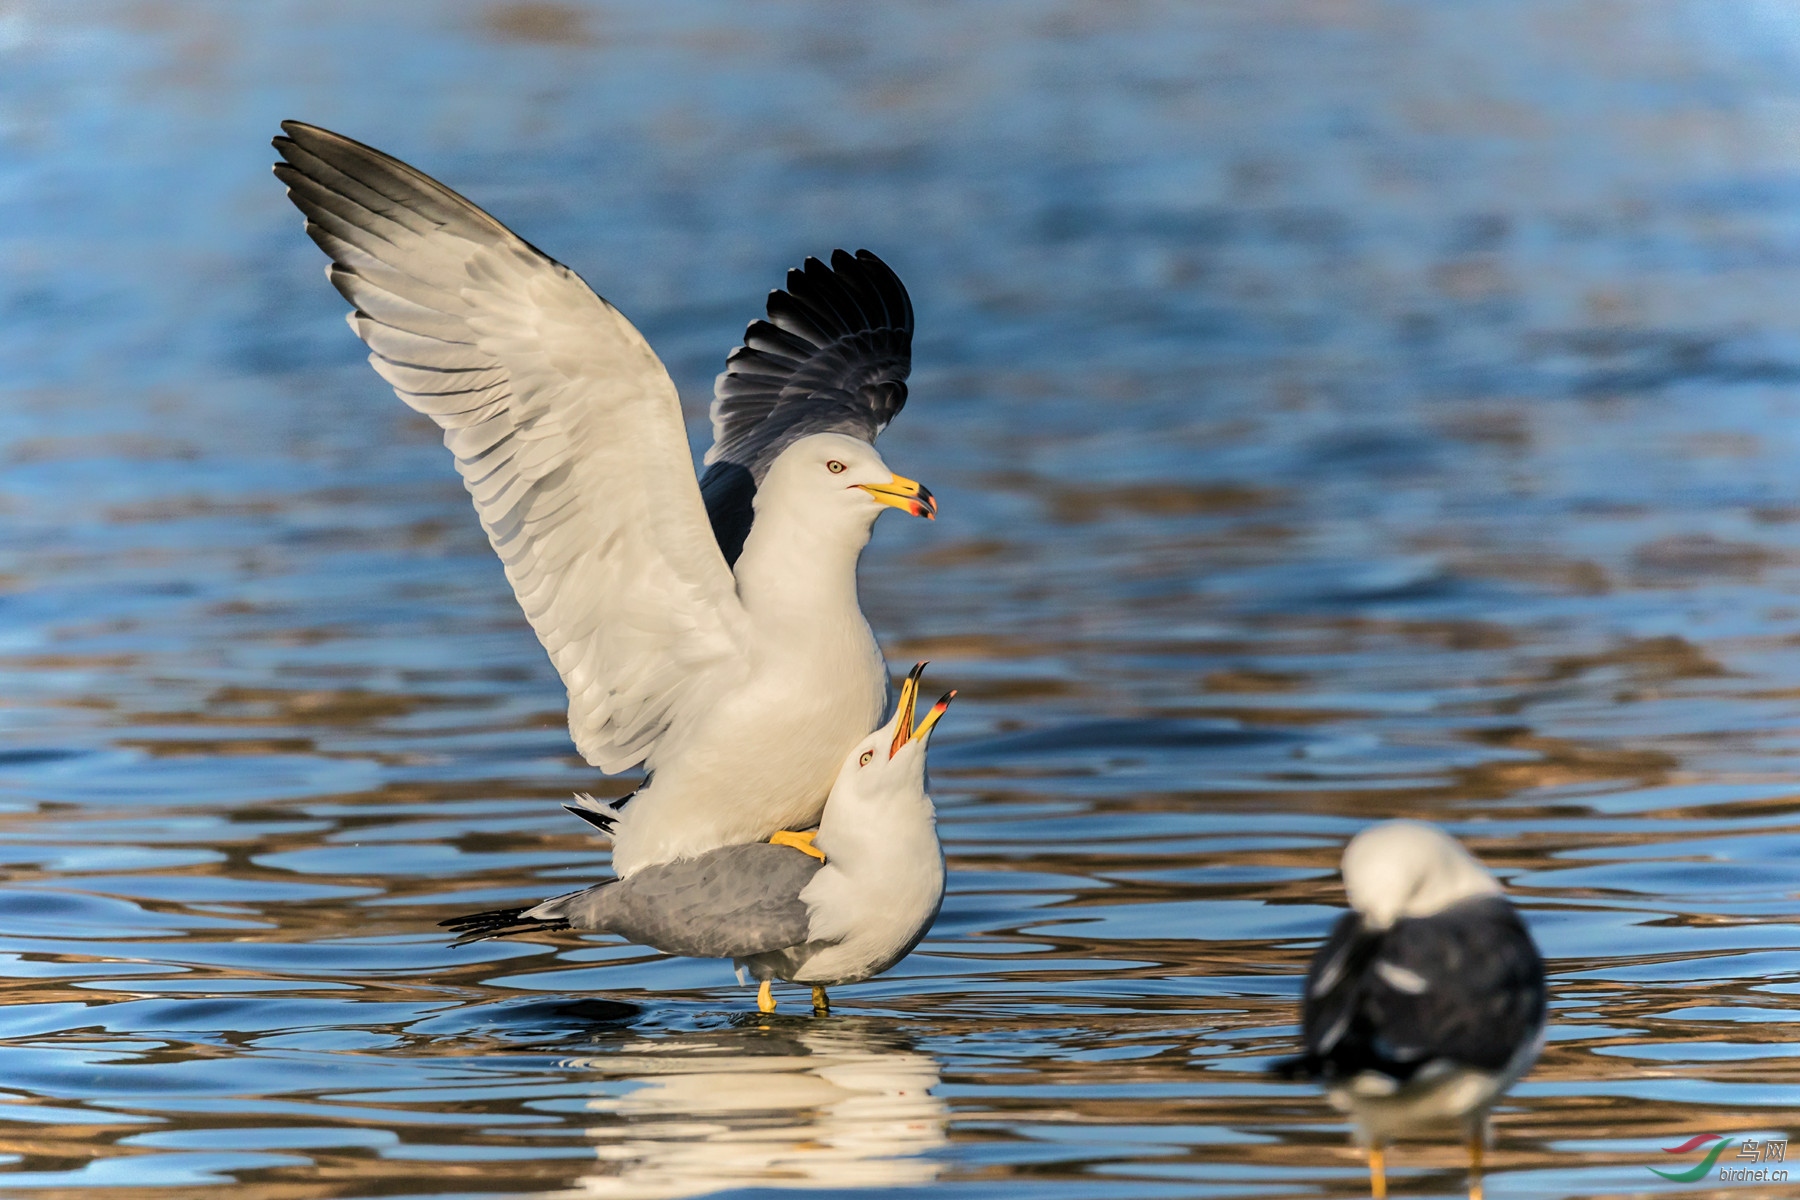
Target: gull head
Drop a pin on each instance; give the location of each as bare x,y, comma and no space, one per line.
883,877
887,768
835,473
1410,869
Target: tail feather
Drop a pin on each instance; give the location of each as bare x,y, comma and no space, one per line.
601,814
599,820
497,923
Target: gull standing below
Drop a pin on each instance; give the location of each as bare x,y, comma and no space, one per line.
779,913
709,632
1427,1001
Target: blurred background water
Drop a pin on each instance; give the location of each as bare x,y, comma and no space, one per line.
1341,409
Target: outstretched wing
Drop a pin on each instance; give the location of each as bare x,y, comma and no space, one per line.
832,358
565,426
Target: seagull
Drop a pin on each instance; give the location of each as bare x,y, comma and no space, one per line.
708,632
779,913
1427,1002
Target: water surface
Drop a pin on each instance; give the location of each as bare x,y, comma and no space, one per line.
1340,411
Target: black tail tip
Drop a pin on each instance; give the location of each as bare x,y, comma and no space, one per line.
495,923
600,821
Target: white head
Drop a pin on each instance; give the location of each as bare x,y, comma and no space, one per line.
838,480
1410,869
880,790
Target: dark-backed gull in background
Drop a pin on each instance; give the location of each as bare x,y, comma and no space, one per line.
1427,1001
778,912
715,640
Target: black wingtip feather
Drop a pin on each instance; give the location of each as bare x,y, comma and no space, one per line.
831,357
385,186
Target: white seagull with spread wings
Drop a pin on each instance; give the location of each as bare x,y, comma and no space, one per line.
709,632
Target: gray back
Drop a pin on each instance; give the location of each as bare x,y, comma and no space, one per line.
727,903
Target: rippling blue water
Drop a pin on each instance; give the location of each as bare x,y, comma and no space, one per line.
1340,410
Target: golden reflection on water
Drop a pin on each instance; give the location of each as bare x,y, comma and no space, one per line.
836,1105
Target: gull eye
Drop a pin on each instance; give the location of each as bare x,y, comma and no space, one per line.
835,467
866,756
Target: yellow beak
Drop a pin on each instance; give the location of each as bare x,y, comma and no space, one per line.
903,712
907,495
909,700
934,716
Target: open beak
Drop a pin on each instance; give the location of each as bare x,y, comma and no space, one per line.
934,716
903,713
909,700
907,495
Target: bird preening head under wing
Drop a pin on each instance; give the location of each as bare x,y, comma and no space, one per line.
1410,869
1428,999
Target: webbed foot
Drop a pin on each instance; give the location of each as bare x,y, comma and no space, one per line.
803,842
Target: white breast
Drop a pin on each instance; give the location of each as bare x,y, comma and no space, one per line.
761,755
865,920
764,757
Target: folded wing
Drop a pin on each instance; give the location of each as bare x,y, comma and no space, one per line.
566,429
832,358
732,902
1465,985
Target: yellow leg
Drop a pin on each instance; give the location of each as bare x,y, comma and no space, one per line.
1477,1143
803,842
821,1003
765,998
1378,1171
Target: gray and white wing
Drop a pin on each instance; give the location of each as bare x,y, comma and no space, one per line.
566,429
832,357
727,903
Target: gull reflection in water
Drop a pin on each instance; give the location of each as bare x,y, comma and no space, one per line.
835,1105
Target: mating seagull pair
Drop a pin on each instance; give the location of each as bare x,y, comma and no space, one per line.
706,630
780,913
